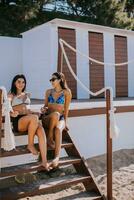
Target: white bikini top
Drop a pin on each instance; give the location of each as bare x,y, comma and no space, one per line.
17,100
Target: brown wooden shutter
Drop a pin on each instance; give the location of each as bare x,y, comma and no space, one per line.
69,36
121,72
96,72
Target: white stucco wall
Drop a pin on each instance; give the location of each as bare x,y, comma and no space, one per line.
109,57
89,133
82,62
10,59
39,59
130,46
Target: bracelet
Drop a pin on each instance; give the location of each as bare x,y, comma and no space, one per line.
45,107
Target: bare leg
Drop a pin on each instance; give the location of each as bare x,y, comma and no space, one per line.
58,140
33,125
55,162
29,123
42,145
52,124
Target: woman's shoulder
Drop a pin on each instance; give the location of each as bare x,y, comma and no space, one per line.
67,92
28,94
10,95
48,91
25,93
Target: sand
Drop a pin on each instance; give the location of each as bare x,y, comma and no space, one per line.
123,173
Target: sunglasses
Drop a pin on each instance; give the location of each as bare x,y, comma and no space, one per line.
53,79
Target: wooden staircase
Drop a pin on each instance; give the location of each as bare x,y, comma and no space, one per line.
83,173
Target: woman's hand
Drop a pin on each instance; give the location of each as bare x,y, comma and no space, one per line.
66,128
27,111
36,113
44,109
14,114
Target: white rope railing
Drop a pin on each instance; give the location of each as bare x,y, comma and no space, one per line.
92,59
114,131
9,139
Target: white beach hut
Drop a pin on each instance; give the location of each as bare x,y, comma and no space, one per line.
42,56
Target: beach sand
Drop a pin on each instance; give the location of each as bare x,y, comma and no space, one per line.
123,173
123,179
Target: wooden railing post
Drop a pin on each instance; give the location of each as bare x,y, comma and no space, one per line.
109,148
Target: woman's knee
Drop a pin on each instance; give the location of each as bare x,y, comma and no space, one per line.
57,131
41,134
34,119
54,116
61,125
40,130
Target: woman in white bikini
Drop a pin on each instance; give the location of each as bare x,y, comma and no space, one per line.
55,110
25,120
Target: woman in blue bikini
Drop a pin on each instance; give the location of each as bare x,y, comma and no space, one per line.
55,111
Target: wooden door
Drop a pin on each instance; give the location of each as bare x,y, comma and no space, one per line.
96,72
69,36
121,72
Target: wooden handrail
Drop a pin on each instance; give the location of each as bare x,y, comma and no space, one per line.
109,148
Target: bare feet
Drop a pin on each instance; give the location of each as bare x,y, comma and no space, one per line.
32,149
51,143
55,162
46,166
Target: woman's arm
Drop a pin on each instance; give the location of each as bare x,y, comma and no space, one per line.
45,107
10,97
46,98
14,113
68,97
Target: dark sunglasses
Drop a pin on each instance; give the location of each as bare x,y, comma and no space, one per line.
53,79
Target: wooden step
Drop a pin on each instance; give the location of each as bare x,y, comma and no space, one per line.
15,133
12,171
23,150
42,186
98,198
21,139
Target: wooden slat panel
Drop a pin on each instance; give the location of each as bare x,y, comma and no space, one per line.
96,72
69,36
121,72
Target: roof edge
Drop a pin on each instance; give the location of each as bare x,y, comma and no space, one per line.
82,25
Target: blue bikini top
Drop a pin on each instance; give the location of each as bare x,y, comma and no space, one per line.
59,100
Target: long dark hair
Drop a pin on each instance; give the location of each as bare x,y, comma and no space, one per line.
62,79
13,86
